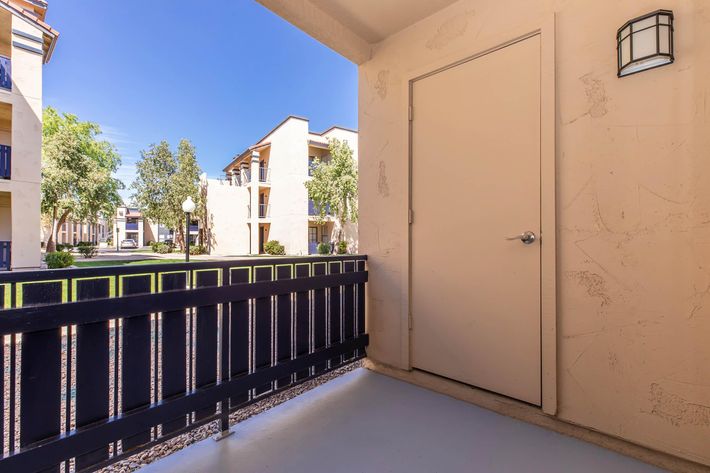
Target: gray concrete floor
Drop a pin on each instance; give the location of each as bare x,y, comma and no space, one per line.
367,422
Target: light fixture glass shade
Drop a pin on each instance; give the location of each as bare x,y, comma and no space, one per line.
188,206
645,42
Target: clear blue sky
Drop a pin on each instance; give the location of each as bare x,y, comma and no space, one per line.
221,74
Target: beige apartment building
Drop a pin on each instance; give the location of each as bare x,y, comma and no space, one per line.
26,43
72,232
263,196
132,225
576,173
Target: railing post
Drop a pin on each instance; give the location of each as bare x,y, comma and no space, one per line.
223,355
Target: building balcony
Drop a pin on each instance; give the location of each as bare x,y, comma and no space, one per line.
5,162
151,390
264,211
5,73
5,254
395,427
264,176
313,210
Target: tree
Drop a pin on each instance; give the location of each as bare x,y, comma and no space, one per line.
164,181
185,182
77,170
152,184
334,185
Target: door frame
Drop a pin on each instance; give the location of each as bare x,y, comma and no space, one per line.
548,206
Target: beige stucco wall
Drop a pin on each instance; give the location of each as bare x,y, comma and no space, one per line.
26,142
288,199
633,209
227,213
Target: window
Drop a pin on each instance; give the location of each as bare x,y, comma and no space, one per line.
310,164
312,235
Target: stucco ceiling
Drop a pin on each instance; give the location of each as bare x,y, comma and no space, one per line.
375,20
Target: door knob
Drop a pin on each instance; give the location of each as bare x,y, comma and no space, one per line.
526,237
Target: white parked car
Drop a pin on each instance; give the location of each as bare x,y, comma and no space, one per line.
129,243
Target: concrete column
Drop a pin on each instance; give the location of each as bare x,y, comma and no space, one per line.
254,202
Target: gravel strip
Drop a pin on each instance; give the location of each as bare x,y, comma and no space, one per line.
164,449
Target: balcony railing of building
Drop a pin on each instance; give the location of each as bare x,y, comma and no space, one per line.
132,226
5,73
264,174
5,162
5,254
264,211
313,210
135,379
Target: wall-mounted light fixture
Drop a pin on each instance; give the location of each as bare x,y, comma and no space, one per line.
645,42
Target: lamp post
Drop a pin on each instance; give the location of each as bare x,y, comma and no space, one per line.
188,206
117,243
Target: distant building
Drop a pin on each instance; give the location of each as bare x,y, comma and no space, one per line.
72,232
26,42
263,196
132,225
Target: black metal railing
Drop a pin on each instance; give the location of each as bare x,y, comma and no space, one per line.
5,162
264,174
5,73
102,363
5,255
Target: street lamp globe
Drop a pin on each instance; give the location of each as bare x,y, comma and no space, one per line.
188,205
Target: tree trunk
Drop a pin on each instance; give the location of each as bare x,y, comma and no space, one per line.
51,245
60,222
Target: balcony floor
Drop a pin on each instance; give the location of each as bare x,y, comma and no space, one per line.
365,421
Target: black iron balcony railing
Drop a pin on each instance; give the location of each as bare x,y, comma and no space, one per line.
264,211
264,174
5,255
5,73
102,363
5,162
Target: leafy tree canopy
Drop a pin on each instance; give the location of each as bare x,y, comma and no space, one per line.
334,184
164,180
77,171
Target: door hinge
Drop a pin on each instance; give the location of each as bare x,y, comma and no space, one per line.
411,113
411,216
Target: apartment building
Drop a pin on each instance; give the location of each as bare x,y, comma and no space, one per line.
26,43
132,225
72,232
263,196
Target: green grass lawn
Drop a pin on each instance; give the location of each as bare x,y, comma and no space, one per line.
92,264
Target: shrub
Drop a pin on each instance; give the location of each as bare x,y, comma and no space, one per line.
161,248
323,248
87,251
59,259
273,247
342,248
198,250
64,246
84,243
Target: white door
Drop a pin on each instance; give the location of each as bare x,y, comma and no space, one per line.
475,292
